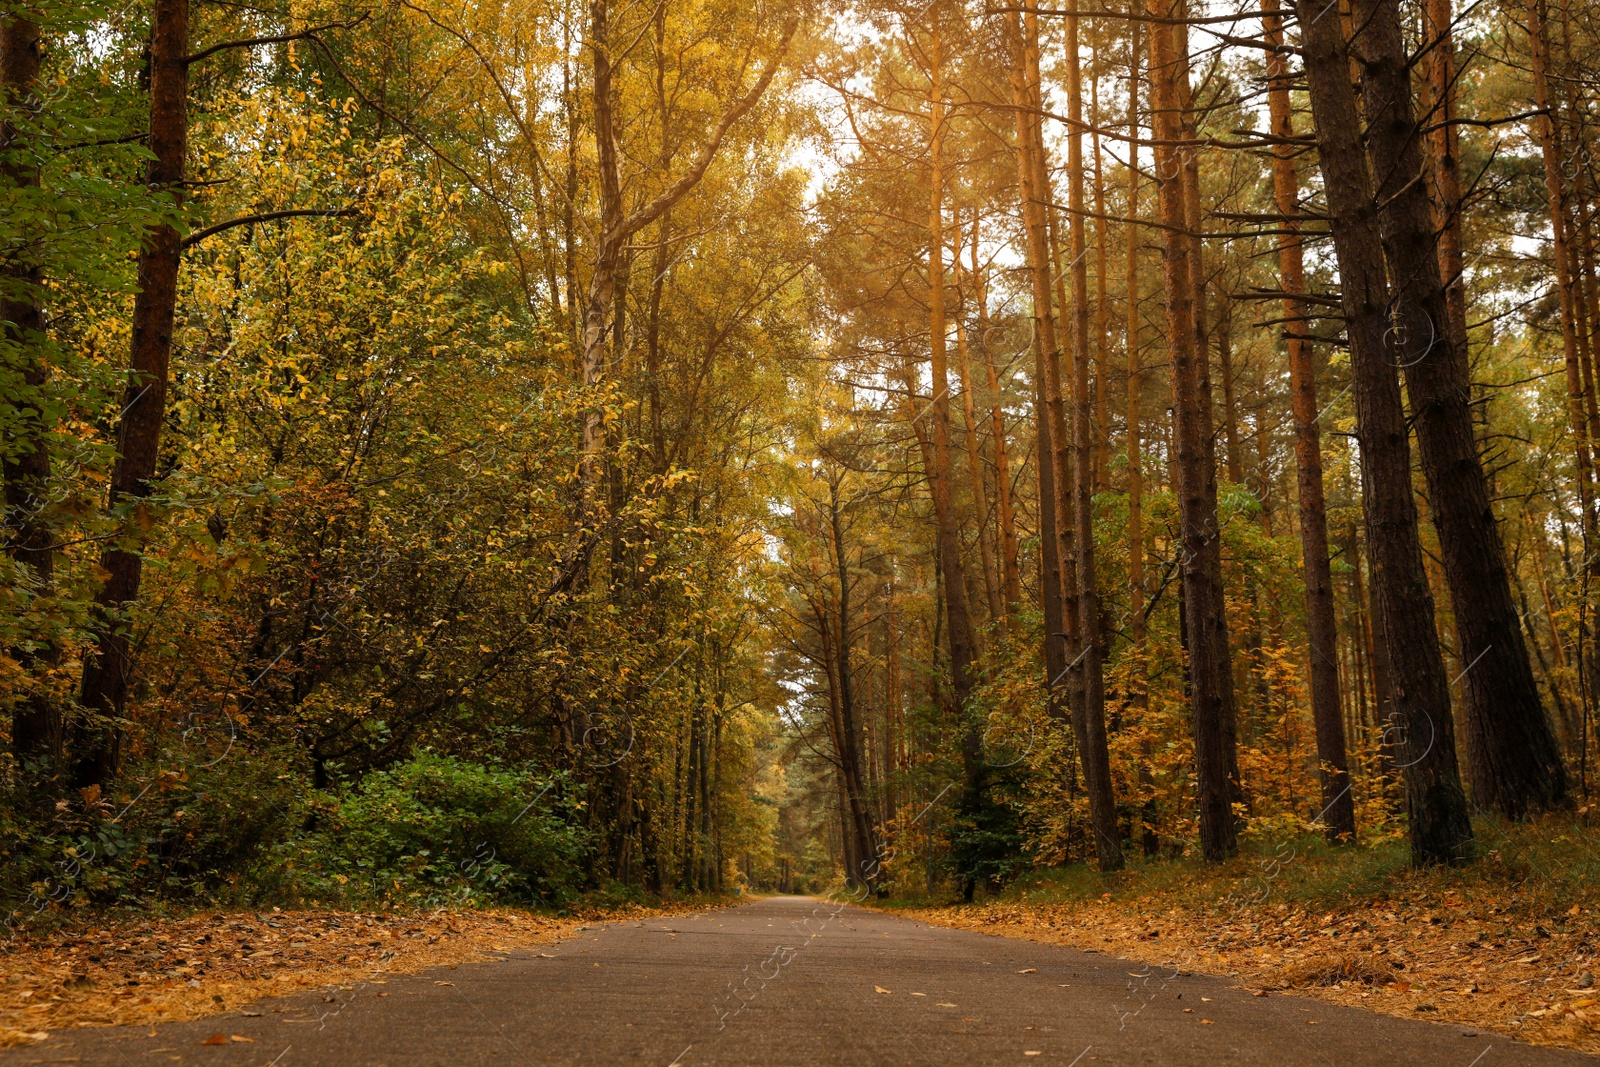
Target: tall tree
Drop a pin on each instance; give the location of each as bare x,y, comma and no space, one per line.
616,227
35,725
1089,717
1338,805
108,668
1513,760
1568,291
1439,826
957,612
1023,38
1205,625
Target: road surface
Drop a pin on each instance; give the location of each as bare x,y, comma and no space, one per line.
796,982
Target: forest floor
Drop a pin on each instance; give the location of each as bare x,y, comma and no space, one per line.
1510,943
139,970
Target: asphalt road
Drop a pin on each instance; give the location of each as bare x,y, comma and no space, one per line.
796,982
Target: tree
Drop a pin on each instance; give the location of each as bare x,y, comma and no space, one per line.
1210,673
1338,805
1513,763
1440,829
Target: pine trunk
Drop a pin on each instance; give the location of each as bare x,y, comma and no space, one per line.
1514,762
1090,719
1205,633
955,585
1046,352
1421,728
1338,806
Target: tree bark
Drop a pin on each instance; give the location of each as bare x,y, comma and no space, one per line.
1010,571
1139,695
1547,133
1205,633
36,721
1090,717
1102,297
980,492
1421,728
1046,352
955,587
1514,762
108,668
1338,805
857,795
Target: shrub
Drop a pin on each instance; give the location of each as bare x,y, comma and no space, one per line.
437,829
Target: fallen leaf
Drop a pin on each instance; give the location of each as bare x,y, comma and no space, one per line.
242,1039
1207,1022
216,1039
1029,970
919,994
1032,1052
880,989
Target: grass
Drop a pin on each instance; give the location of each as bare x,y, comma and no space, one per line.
1543,867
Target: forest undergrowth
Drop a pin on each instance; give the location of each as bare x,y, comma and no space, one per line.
1507,945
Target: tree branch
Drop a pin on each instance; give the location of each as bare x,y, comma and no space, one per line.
282,38
268,216
708,151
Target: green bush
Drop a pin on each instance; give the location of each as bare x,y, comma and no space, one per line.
436,829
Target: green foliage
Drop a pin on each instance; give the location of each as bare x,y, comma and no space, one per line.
438,830
176,829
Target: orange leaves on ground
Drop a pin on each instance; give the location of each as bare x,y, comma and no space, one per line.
1484,963
166,970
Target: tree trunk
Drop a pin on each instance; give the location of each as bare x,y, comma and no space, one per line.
1445,163
980,492
108,668
1139,696
1210,674
1090,717
955,585
36,722
1422,728
1548,135
1010,572
857,797
1338,806
1135,376
1514,762
1046,352
1102,296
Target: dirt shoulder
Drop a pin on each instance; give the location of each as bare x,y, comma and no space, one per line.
1428,956
137,971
